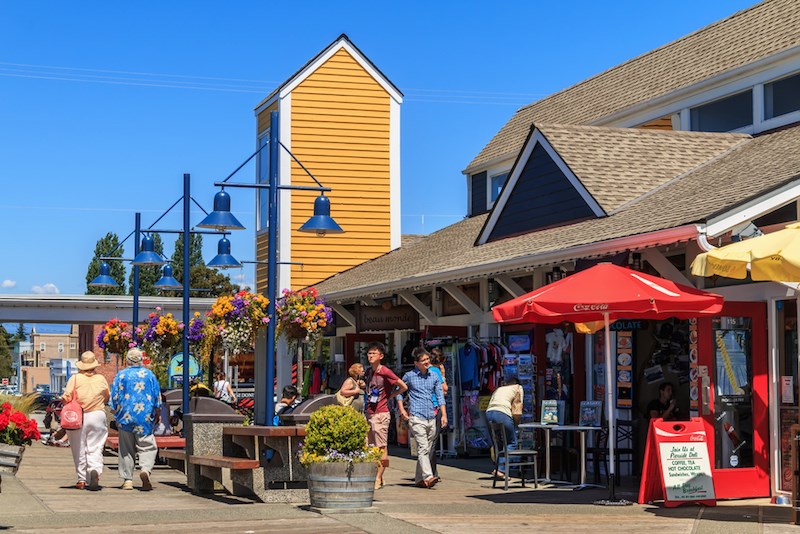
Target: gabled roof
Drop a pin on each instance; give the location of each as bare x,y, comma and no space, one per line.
341,42
613,166
734,42
753,167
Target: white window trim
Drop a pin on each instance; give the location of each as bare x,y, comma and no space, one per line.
492,173
780,66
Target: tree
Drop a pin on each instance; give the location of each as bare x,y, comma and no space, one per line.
149,274
195,254
202,277
5,353
107,246
20,335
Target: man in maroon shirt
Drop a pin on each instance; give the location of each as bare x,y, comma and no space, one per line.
382,385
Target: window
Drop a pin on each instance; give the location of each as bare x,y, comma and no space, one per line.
498,181
72,346
782,97
262,168
724,115
42,346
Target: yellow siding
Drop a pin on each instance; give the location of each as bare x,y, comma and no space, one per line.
664,123
263,118
340,131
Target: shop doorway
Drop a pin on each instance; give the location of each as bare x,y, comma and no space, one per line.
355,347
733,392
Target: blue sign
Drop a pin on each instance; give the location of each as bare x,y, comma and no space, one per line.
175,369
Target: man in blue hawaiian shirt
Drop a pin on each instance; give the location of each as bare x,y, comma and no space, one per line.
135,399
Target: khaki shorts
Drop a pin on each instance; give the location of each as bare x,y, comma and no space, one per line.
378,435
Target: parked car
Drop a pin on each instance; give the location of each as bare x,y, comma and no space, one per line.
43,400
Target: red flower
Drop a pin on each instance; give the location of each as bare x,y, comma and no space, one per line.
18,418
6,407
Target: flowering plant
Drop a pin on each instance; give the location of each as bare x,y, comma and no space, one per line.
337,434
115,337
15,427
302,315
162,334
235,319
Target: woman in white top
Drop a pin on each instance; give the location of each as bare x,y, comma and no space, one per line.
223,390
499,411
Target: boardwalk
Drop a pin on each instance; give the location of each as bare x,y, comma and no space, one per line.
41,499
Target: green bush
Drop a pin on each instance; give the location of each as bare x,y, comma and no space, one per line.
337,434
335,427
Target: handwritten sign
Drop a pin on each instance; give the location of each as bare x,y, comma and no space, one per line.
676,464
686,471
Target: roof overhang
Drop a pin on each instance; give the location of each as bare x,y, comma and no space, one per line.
525,262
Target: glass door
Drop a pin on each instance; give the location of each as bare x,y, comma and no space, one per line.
733,376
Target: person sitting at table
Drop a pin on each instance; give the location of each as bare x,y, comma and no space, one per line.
499,411
289,401
665,406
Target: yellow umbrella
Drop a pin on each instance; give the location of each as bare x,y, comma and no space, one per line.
774,256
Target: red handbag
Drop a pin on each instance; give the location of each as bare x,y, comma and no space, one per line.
72,412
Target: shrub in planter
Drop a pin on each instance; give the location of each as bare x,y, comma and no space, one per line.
341,468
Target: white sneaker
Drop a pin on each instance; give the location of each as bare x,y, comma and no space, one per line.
127,485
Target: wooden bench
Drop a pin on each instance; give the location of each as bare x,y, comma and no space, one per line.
175,458
162,442
283,467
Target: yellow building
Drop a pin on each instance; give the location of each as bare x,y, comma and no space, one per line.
340,116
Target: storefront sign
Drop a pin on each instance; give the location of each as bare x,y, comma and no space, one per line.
380,319
625,324
624,369
676,465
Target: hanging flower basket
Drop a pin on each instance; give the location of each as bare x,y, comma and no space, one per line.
115,337
234,321
162,336
302,315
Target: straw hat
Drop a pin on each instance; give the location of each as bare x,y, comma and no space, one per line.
87,361
134,357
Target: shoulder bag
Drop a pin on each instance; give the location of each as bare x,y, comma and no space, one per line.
72,412
341,399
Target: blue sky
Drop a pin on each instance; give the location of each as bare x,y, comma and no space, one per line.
104,105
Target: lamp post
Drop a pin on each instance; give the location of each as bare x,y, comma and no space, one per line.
320,223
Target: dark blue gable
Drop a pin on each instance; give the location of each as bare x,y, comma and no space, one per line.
542,197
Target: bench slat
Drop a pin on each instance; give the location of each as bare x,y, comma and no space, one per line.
227,462
175,454
265,431
162,442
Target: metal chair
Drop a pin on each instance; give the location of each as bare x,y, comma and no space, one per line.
513,458
626,446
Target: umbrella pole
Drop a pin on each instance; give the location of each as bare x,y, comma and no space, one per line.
612,434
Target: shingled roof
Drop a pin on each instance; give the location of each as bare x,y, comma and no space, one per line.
744,37
750,168
618,165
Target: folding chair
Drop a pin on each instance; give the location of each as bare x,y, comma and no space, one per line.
513,458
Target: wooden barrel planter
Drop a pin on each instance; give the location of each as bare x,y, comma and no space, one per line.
10,458
342,485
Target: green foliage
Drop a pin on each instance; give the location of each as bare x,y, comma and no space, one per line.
20,334
24,403
195,254
6,344
335,427
150,274
104,247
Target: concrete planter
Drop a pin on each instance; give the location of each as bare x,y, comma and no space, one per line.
340,485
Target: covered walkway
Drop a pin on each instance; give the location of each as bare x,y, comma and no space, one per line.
88,309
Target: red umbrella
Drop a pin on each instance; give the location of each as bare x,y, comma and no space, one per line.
606,293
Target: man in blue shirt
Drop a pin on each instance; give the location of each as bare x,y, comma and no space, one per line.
426,398
135,399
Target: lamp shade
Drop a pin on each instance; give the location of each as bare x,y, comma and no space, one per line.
147,254
223,259
321,222
221,218
167,280
104,278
